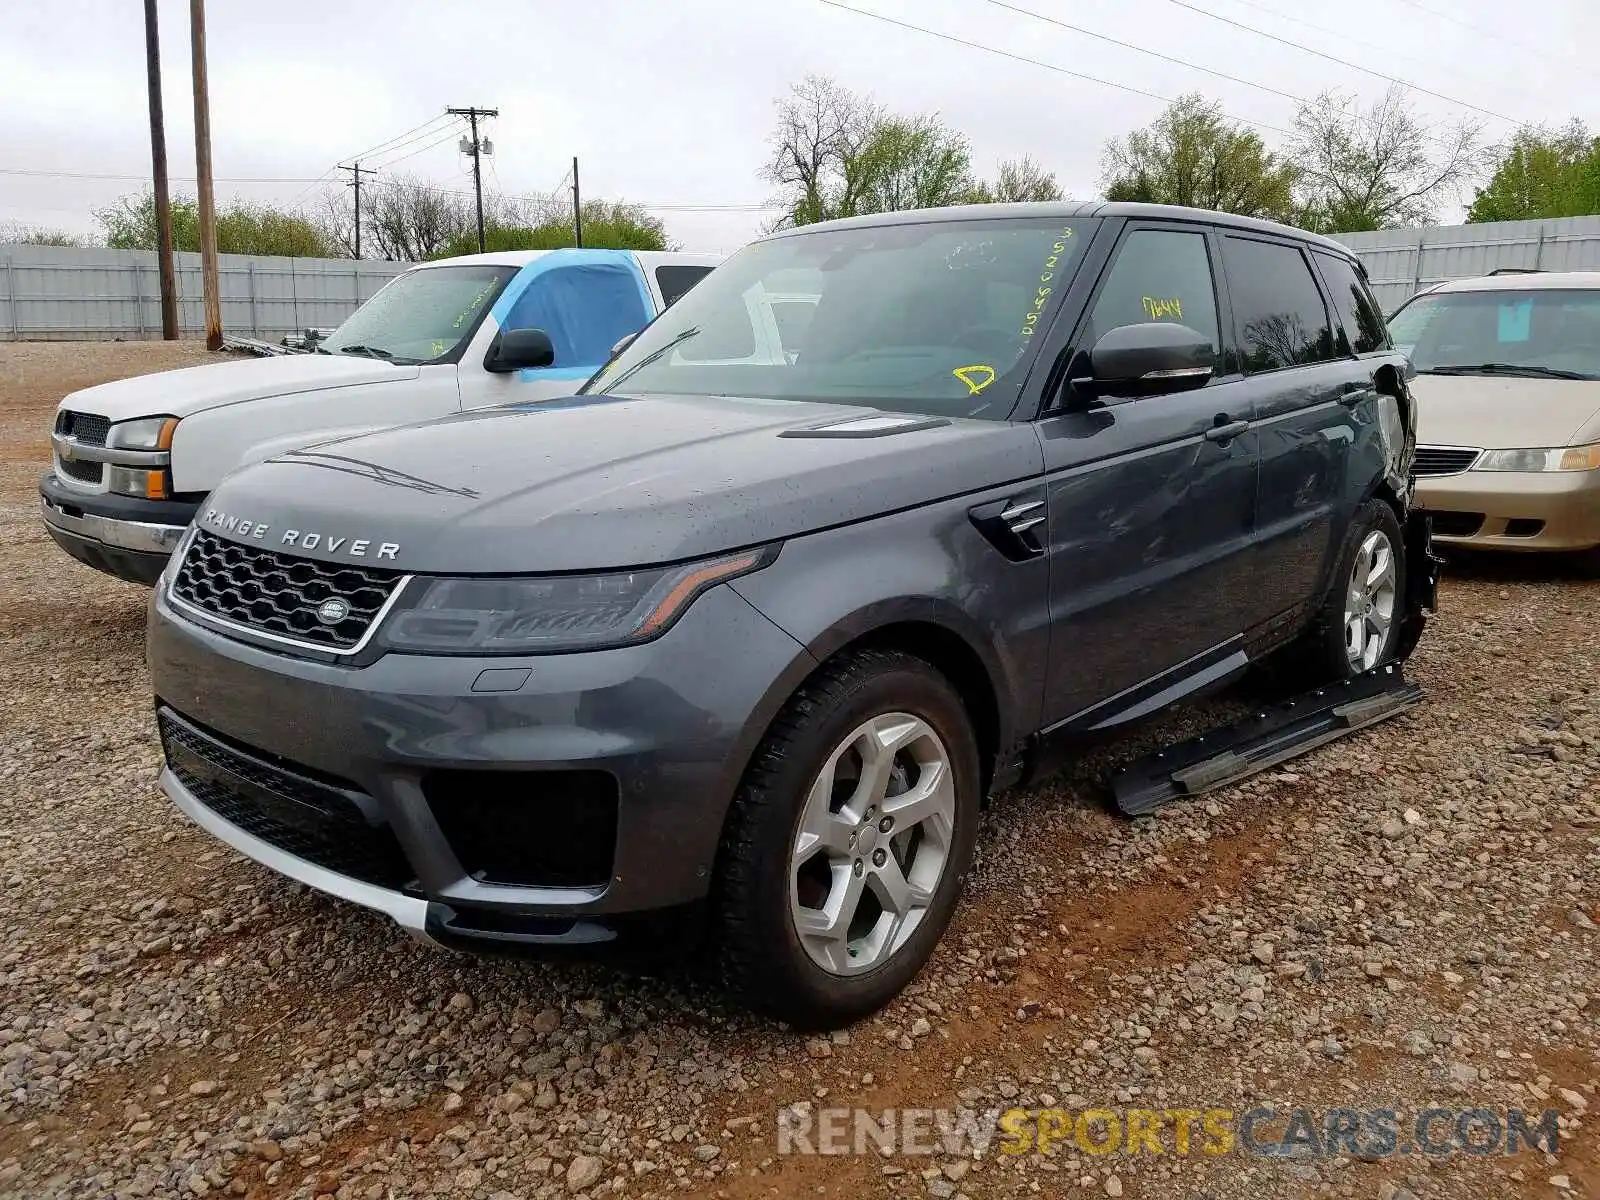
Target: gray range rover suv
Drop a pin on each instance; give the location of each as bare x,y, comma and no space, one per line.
877,521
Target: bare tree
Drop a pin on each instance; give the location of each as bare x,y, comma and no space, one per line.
821,129
1380,166
402,218
1021,180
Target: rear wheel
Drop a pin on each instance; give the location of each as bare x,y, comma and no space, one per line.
1358,625
848,842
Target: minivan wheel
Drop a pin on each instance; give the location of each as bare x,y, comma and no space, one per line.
849,840
1358,626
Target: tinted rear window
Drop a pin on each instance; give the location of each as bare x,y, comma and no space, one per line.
1358,312
675,281
1277,310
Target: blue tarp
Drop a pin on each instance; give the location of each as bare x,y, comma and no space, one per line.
586,300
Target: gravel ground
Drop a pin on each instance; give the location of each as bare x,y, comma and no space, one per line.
1404,918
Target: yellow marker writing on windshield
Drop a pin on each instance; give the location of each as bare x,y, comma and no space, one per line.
984,377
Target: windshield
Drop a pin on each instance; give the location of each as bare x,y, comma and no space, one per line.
1555,332
421,316
935,317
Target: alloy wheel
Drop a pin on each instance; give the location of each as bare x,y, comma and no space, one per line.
872,843
1370,602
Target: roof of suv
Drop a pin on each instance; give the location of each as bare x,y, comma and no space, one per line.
1529,281
1068,209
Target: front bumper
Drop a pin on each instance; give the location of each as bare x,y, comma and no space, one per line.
123,536
1512,510
293,736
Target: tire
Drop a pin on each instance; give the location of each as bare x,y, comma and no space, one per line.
793,853
1325,653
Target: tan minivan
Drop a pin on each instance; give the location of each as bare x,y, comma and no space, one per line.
1508,398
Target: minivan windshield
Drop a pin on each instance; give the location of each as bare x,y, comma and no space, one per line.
421,316
1552,333
932,317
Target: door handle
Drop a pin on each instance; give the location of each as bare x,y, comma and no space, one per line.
1354,391
1227,431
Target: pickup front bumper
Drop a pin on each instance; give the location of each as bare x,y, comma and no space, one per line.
123,536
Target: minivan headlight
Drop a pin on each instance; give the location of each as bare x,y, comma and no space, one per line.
556,613
1560,458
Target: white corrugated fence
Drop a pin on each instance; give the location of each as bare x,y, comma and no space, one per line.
57,293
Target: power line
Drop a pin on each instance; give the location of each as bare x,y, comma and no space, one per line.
438,135
1496,34
146,178
385,147
450,135
1022,58
1343,62
1182,62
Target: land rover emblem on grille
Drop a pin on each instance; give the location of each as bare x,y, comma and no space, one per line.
333,610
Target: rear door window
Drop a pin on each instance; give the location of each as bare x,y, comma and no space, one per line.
1278,312
675,281
1158,275
1358,312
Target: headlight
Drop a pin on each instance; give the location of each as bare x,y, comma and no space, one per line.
1561,458
147,433
557,613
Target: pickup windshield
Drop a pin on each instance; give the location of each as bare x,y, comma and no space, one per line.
935,317
421,316
1550,334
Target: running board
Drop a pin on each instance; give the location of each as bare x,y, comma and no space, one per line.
1273,735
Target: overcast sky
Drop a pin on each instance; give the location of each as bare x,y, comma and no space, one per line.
670,103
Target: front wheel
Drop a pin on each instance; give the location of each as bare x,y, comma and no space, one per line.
849,840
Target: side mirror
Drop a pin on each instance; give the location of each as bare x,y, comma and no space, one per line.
1148,359
519,349
623,343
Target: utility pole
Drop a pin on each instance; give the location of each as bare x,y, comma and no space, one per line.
356,172
202,169
158,169
577,205
477,150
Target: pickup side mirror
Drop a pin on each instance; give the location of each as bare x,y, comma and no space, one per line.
1146,360
519,349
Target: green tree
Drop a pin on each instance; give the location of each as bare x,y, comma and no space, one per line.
242,228
1192,156
15,233
1376,167
1542,172
607,224
908,162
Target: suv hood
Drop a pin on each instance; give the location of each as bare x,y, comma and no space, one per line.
1503,413
190,390
602,482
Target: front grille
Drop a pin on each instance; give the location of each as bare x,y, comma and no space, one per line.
1456,524
321,821
82,470
1443,460
277,594
87,428
528,828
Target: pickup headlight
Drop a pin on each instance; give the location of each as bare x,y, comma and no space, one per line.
1561,458
147,433
148,443
556,613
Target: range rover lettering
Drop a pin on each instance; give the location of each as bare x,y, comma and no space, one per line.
741,639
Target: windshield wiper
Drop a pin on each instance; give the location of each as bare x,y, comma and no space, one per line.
1502,368
655,354
369,351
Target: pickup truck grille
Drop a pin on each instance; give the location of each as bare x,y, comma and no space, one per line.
1443,460
280,596
87,428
